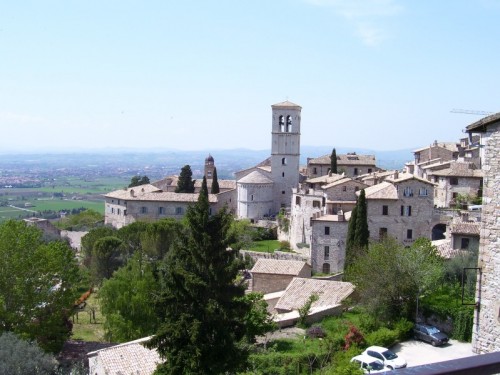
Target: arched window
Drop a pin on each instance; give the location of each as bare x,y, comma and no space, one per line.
288,124
283,161
282,123
326,268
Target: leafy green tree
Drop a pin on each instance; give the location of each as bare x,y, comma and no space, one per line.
389,277
258,321
91,237
36,285
185,184
106,258
200,306
240,234
215,183
137,181
333,162
159,237
20,357
81,221
132,236
126,300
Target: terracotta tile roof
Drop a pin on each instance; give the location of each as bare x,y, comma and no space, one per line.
466,227
326,178
151,193
406,177
286,103
171,181
346,159
343,181
451,146
330,293
458,169
480,126
128,358
445,250
278,266
255,177
384,190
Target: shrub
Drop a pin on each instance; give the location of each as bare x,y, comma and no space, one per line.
315,332
462,325
404,329
382,337
284,245
353,337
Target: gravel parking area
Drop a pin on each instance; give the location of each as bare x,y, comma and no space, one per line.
420,353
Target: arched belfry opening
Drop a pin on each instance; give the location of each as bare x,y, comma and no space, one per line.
282,123
288,124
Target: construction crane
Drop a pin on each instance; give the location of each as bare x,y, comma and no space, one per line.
471,112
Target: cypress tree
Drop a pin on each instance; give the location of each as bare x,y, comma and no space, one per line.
185,184
200,306
333,162
215,183
349,247
361,234
204,187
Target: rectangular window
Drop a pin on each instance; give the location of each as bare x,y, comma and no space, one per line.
464,243
297,201
355,171
112,210
327,252
369,170
385,210
409,234
315,171
453,180
344,188
316,204
402,210
144,210
408,192
124,212
178,210
423,192
161,210
118,211
408,211
283,192
327,231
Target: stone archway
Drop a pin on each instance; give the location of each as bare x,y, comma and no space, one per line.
438,232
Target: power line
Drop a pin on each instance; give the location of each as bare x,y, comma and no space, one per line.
471,112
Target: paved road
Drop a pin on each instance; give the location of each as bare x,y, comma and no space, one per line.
420,353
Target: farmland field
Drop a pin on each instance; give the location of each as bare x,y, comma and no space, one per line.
64,194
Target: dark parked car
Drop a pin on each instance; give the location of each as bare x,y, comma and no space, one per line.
430,334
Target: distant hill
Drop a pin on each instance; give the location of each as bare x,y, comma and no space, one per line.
157,164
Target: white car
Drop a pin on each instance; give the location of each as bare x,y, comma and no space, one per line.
388,358
368,364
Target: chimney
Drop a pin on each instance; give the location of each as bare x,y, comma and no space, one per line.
396,174
132,193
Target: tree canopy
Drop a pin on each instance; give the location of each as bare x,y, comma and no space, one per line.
333,162
389,277
126,300
201,307
215,183
357,233
138,180
185,184
36,285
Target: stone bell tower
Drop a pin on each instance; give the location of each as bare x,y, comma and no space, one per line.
285,152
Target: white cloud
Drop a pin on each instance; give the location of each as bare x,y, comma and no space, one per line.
366,16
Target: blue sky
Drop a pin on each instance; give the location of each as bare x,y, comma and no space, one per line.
202,74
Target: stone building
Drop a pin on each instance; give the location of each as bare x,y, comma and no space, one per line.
274,275
351,164
269,188
400,207
456,179
328,235
486,330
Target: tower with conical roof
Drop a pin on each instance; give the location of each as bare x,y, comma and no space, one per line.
285,151
209,167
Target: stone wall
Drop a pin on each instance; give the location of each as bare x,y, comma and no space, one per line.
335,240
486,331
